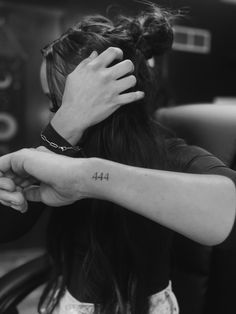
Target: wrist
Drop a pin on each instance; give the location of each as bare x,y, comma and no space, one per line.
54,142
97,179
81,173
71,131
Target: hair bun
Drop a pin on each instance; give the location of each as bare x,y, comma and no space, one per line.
157,34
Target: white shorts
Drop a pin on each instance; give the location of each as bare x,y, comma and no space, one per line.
163,302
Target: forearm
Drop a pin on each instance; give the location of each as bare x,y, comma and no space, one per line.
201,207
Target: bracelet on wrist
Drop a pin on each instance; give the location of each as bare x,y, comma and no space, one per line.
62,148
52,140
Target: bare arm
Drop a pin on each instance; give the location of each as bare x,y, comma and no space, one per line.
187,203
201,207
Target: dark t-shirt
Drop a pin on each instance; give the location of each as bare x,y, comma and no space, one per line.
153,241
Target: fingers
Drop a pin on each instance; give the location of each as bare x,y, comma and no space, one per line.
108,56
129,97
28,182
21,208
5,163
7,184
15,198
5,203
125,83
121,69
11,181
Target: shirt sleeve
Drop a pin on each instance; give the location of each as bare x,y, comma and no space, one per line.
193,159
14,224
50,135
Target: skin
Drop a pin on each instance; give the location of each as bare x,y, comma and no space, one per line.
187,203
99,96
99,93
197,213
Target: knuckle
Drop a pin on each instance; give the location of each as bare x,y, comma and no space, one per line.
9,184
92,66
112,94
106,76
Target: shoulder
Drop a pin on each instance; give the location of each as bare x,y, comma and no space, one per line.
191,158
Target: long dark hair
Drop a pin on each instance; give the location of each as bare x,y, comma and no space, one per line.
105,250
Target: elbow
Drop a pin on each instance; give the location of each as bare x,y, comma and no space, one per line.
224,212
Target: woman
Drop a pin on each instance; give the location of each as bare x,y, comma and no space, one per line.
111,265
99,253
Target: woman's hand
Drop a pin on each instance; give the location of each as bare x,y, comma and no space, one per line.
59,179
11,194
190,204
93,91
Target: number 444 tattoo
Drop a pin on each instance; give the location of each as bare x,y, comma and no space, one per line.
100,176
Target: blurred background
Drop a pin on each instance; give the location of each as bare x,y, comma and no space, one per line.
201,68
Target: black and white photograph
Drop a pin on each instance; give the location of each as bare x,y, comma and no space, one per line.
117,156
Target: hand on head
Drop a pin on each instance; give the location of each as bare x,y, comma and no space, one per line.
93,91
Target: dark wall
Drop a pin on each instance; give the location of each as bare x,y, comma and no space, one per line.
24,31
190,77
202,77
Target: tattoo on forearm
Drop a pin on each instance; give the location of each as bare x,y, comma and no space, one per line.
100,176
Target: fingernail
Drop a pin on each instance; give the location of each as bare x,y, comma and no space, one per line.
93,54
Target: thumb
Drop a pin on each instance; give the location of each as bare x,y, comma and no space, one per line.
33,193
